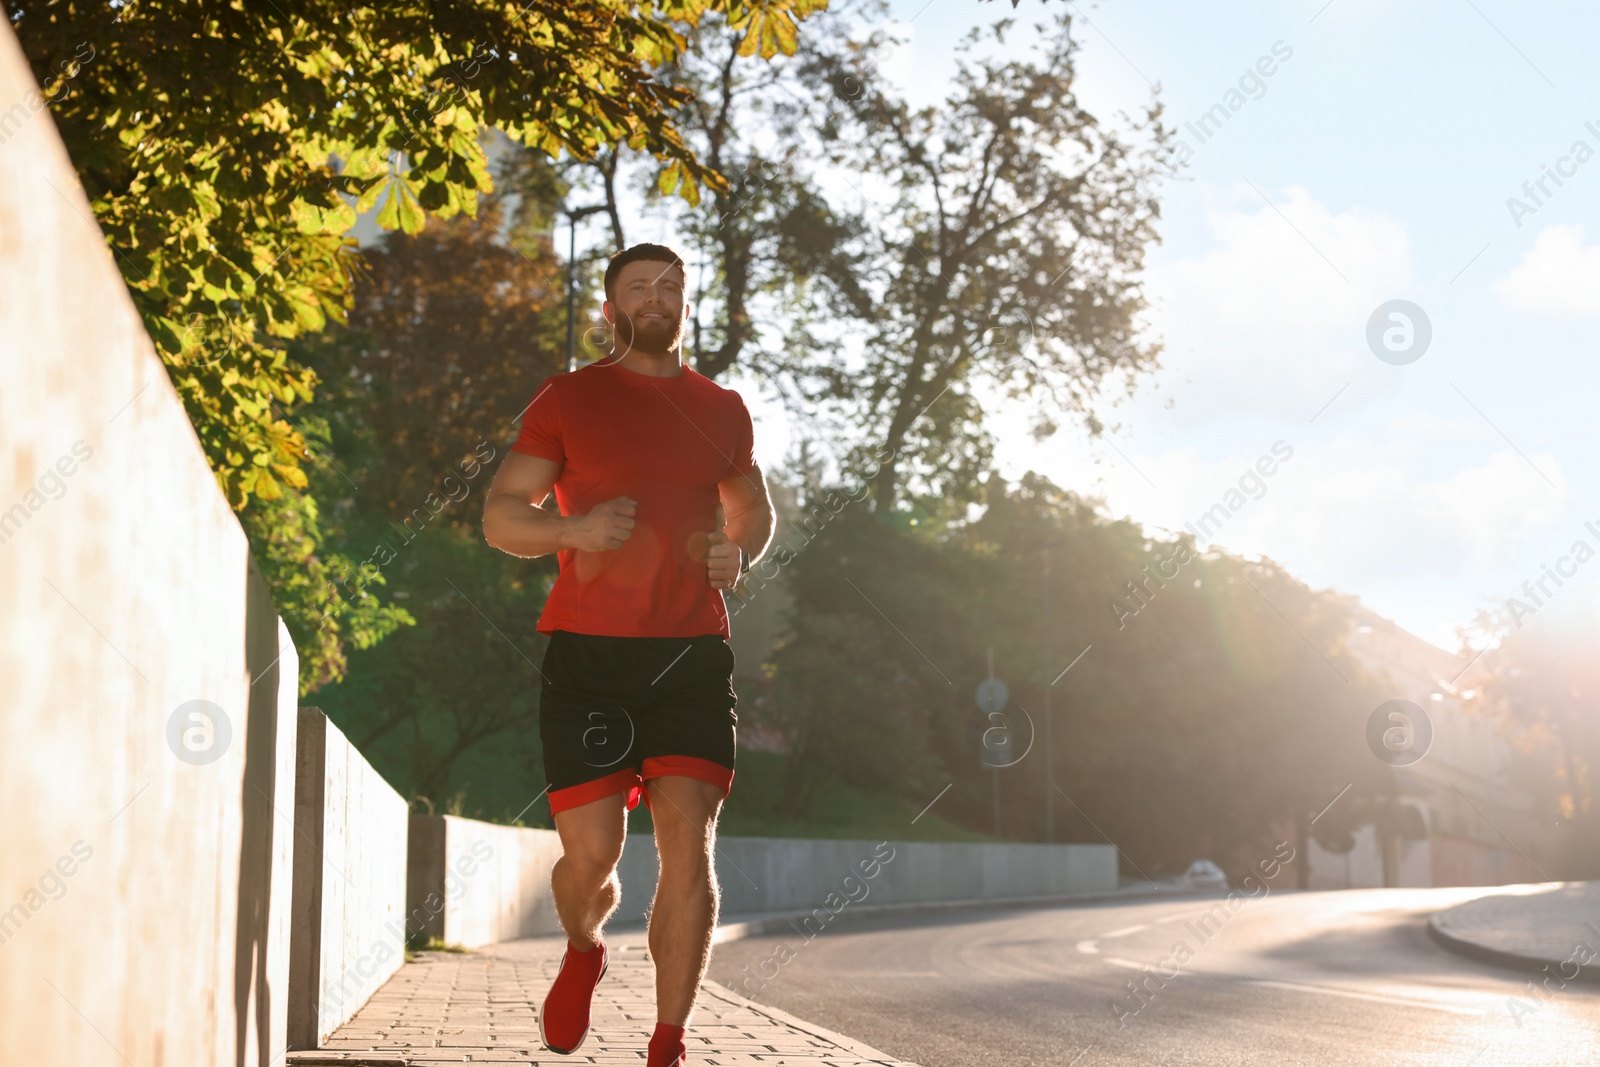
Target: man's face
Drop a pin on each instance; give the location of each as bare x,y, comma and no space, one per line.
647,307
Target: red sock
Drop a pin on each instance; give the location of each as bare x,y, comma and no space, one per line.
564,1020
666,1047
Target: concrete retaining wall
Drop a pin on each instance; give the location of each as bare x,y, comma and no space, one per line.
474,883
141,918
760,874
349,882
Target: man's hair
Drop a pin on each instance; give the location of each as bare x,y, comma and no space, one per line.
642,252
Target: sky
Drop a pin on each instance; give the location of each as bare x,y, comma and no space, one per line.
1374,164
1392,154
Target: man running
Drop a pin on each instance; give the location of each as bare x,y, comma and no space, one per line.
638,700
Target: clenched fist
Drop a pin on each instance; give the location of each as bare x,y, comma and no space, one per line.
722,561
607,526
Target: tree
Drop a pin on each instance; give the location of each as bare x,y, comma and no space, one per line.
879,625
1007,232
766,239
450,705
779,255
221,145
1213,704
1543,681
451,333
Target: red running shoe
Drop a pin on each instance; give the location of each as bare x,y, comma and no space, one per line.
666,1047
564,1018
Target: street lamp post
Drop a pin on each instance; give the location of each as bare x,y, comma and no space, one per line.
1049,749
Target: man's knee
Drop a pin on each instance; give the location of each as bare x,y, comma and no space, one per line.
687,855
592,836
686,861
684,813
592,859
596,856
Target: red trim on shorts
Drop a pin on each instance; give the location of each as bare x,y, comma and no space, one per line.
629,782
623,781
689,767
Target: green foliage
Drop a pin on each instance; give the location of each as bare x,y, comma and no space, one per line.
1217,709
422,394
226,148
463,680
285,534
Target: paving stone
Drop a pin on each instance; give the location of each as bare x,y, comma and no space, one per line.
482,1007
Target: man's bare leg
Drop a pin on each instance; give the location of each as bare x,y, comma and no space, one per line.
684,914
584,881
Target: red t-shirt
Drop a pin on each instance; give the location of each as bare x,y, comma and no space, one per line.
664,442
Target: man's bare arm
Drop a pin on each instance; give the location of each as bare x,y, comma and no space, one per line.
514,522
747,509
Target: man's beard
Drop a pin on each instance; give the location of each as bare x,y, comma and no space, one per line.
655,336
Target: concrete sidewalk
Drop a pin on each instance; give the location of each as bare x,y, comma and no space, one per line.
482,1007
1555,924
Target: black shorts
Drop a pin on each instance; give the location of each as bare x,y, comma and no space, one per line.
615,711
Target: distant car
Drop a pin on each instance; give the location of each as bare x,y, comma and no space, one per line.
1203,874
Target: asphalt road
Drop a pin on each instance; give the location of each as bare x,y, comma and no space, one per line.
1325,978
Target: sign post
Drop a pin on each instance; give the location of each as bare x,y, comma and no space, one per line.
994,751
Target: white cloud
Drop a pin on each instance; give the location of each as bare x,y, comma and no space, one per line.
1271,321
1557,276
1423,515
1373,507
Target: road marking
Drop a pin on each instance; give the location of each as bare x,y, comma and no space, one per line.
1091,947
1126,930
1301,987
1381,998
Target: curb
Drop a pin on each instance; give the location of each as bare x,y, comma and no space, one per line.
1587,972
783,1018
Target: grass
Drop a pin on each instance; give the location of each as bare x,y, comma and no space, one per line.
433,944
